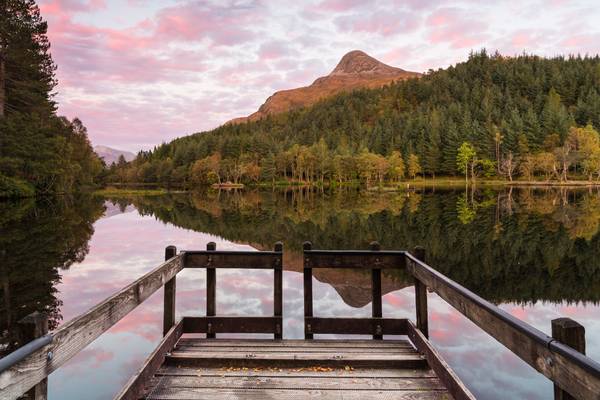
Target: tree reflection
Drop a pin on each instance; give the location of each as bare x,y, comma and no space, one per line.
39,238
520,245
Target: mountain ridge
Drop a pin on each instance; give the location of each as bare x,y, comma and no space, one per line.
111,155
355,70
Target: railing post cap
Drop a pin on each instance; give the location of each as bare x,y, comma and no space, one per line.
374,246
307,245
419,253
565,322
278,246
211,246
170,251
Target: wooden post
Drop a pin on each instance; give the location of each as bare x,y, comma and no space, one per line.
169,295
421,297
308,305
211,291
31,327
376,293
571,333
278,291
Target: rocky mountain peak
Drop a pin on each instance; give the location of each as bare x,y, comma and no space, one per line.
359,62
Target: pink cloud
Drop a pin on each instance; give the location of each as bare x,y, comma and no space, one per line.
274,50
223,25
339,5
65,7
383,23
456,27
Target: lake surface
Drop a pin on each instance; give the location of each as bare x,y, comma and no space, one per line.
535,252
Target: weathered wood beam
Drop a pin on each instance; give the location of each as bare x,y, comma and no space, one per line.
211,289
421,297
73,336
376,307
572,371
362,259
136,386
278,290
308,294
231,324
232,259
356,326
451,381
170,292
34,326
571,333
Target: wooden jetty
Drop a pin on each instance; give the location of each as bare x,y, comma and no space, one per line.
194,362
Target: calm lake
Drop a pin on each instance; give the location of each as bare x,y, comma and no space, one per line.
534,252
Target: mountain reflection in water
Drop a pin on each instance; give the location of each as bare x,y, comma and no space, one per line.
506,245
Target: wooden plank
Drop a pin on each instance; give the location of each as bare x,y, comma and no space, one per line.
451,381
330,343
169,295
212,359
308,293
231,324
227,394
376,308
572,334
577,374
233,259
278,290
356,326
308,303
421,307
136,386
298,381
211,291
73,336
355,259
295,350
421,297
33,326
309,372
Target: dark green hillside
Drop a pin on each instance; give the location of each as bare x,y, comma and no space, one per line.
517,112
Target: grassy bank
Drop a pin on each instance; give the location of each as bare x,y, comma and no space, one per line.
133,192
458,182
441,182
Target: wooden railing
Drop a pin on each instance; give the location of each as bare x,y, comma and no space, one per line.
28,366
211,260
572,372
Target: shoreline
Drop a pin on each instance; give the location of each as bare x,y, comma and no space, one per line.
398,187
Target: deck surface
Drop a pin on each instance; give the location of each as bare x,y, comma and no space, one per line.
294,369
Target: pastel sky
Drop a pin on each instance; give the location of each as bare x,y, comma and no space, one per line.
141,72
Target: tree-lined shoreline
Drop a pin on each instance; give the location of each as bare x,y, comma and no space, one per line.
520,118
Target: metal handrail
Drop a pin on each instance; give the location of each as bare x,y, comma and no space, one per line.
24,351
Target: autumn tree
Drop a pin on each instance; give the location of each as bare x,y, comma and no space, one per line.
414,167
396,166
466,159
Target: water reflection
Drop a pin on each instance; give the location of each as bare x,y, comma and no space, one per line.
506,245
40,240
535,252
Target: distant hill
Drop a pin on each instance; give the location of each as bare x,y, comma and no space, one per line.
111,155
355,70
